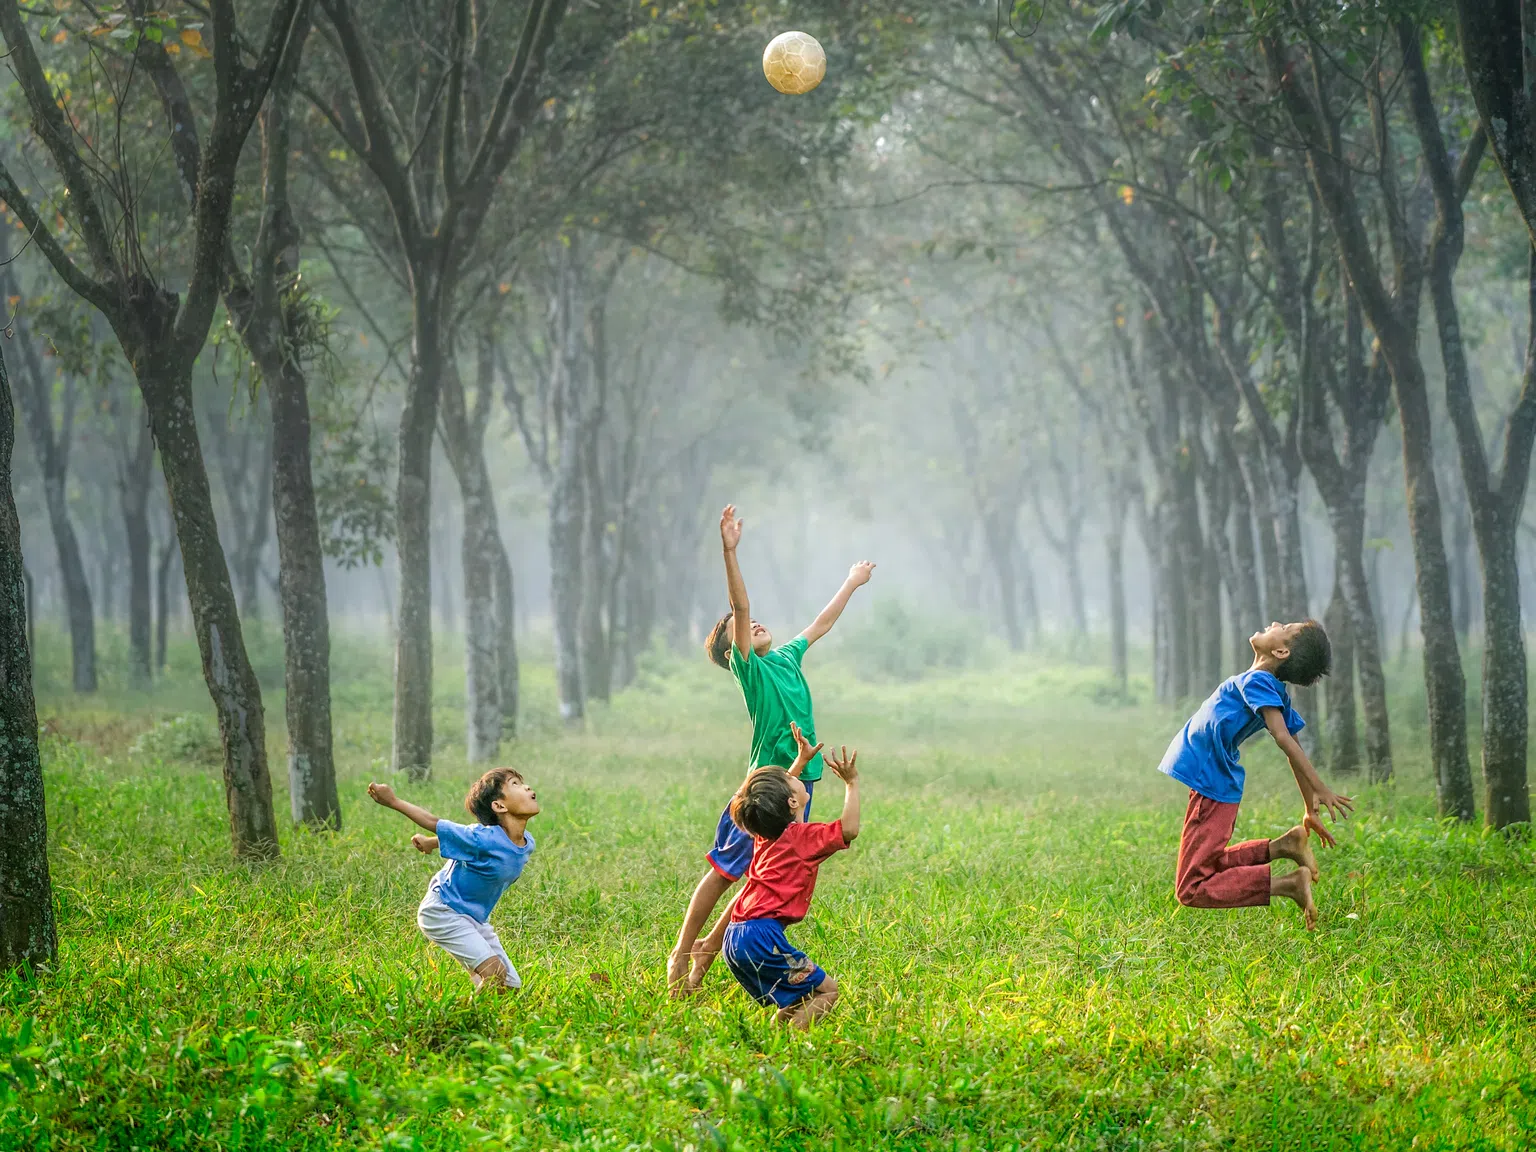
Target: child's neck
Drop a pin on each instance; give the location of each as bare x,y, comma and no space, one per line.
1264,662
516,828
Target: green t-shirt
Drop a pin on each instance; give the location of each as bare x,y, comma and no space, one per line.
776,693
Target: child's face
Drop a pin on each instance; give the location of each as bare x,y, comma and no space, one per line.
517,799
1275,640
799,797
762,639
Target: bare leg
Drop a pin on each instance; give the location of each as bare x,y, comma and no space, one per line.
705,897
813,1007
1295,845
1297,886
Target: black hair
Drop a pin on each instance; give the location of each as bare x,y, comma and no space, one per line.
761,805
486,789
719,643
1311,656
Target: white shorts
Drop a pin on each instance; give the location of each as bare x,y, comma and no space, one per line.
463,937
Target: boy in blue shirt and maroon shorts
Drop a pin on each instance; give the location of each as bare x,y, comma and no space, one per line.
1213,872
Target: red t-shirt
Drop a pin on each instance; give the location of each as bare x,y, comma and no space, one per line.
783,872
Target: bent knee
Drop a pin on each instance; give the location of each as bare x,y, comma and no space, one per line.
827,988
1186,894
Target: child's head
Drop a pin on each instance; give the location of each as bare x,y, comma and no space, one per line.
501,792
719,643
1301,651
768,801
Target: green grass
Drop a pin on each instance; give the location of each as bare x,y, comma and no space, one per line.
1016,972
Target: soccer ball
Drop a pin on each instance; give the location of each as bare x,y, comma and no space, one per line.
794,63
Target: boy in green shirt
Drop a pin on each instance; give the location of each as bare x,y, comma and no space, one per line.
776,695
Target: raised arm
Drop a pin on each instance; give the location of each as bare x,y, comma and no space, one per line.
1314,792
857,575
735,586
385,795
847,769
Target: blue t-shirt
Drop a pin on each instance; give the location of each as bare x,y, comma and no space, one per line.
1203,756
482,863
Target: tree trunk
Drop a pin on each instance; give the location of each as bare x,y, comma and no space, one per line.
1001,545
27,935
312,794
1348,533
1339,689
596,633
52,451
506,638
466,455
226,667
566,582
413,547
1114,547
168,554
133,488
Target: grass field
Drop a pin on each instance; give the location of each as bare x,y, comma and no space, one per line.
1016,972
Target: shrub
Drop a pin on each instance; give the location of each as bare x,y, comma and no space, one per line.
190,739
894,642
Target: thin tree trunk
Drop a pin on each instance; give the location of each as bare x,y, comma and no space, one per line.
27,935
565,549
1343,737
413,547
507,670
168,555
133,488
226,667
1114,547
596,633
1000,546
52,452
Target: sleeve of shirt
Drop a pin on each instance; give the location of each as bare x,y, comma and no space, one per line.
1263,691
795,649
744,668
458,841
822,840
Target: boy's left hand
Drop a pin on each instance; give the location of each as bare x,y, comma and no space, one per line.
382,794
1339,807
424,844
806,753
846,766
859,574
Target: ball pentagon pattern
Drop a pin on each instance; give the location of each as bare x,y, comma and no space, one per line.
794,63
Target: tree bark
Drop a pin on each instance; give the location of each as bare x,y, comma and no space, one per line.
1339,689
215,616
27,935
133,490
463,431
1114,548
52,451
167,559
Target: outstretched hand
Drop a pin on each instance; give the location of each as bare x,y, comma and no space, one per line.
1339,807
806,754
860,573
730,528
382,794
846,766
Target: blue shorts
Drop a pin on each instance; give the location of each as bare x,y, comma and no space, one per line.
773,971
732,853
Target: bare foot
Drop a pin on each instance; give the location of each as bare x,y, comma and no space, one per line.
1295,845
1297,886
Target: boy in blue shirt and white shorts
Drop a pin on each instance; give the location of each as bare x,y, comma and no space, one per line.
1213,872
484,859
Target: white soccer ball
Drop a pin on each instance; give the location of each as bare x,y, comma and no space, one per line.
794,63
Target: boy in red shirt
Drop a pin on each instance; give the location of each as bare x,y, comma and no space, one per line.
786,853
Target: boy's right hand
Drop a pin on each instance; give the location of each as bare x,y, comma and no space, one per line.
424,844
730,528
846,766
382,794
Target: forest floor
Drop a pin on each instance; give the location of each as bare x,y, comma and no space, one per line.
1015,970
